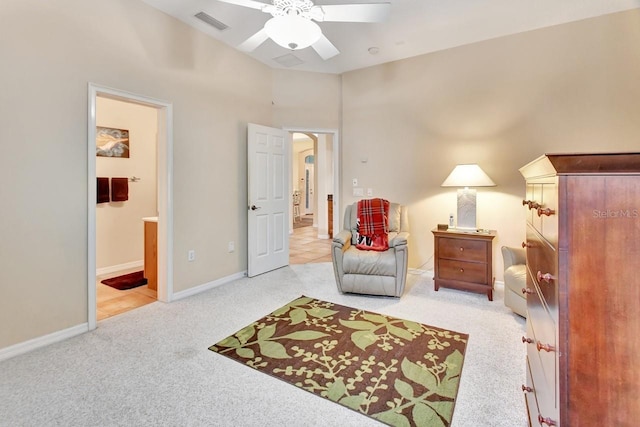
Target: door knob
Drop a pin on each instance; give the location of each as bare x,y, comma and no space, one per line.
254,207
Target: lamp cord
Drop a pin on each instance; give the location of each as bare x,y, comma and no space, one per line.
425,263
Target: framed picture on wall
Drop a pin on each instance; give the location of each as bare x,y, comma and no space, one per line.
111,142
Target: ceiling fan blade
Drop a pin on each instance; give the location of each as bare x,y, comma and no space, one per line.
254,41
325,48
371,12
247,3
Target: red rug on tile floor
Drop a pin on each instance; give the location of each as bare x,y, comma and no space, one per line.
126,281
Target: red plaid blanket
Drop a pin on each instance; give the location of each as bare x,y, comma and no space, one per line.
373,225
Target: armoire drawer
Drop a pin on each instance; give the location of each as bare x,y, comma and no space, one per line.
468,250
543,350
548,213
536,370
543,267
530,395
542,209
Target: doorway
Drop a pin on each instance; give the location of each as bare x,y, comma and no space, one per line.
161,178
126,147
315,185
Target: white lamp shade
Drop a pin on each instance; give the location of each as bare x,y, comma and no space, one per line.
470,175
292,31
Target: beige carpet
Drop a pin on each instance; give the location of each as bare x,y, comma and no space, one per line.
157,357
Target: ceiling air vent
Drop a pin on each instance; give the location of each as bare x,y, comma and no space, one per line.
288,60
211,21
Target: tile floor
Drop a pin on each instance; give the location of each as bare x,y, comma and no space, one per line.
113,301
304,247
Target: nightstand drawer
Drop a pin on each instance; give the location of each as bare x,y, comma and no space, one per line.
462,271
468,250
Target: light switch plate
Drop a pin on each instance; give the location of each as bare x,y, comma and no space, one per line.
355,182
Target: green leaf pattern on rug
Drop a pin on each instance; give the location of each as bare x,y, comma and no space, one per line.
266,340
400,372
384,330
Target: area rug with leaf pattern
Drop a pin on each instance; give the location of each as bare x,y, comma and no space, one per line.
397,371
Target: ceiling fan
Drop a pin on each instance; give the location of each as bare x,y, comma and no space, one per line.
292,26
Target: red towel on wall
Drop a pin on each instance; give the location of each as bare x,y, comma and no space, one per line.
119,189
373,225
103,190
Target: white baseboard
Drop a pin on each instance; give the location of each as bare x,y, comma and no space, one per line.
418,272
210,285
35,343
429,274
323,236
119,267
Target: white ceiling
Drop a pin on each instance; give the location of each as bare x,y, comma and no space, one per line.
415,27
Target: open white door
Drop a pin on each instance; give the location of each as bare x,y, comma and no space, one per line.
268,166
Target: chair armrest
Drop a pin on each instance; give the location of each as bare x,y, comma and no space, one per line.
399,240
341,238
513,256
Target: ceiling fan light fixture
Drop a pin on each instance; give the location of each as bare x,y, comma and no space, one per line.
292,31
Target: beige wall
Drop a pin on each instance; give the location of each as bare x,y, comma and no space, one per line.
499,103
50,52
306,100
119,226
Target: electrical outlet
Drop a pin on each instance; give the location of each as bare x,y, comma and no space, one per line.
369,192
191,255
231,246
358,192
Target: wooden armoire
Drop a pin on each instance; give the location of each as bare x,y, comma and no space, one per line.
583,290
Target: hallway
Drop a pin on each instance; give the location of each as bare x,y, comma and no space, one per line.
305,247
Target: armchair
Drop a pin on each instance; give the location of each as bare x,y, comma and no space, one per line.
515,279
372,272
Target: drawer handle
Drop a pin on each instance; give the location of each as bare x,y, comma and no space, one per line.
527,291
461,249
546,347
527,340
547,212
547,277
531,204
462,270
548,421
526,245
526,389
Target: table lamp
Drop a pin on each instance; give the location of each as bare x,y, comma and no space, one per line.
465,176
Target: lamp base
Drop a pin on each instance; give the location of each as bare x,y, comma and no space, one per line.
466,209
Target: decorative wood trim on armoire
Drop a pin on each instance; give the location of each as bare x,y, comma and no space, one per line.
583,289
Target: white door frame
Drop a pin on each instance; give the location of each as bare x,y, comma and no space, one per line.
337,170
164,197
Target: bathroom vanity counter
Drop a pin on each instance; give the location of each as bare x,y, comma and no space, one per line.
151,251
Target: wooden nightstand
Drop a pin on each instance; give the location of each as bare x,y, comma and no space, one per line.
463,260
